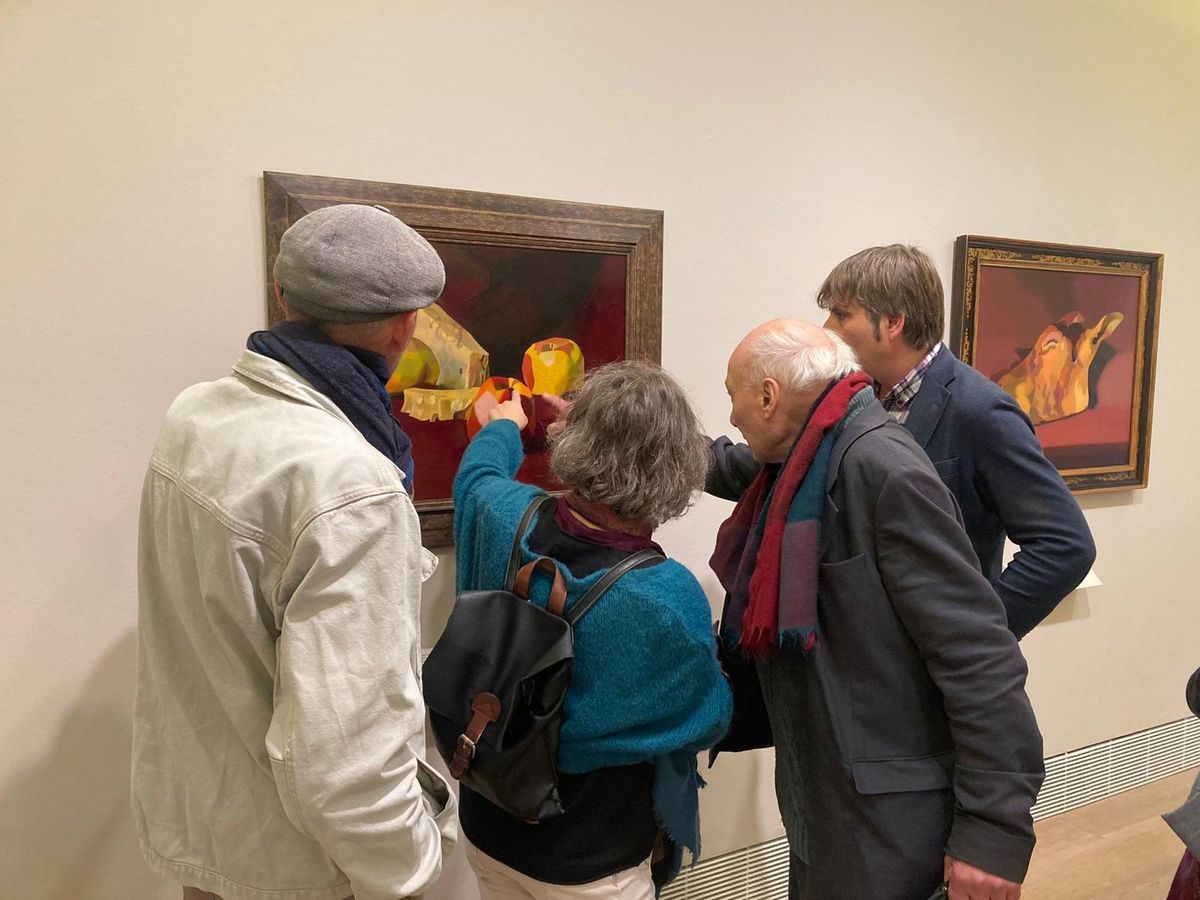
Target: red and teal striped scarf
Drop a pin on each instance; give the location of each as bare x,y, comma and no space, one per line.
768,550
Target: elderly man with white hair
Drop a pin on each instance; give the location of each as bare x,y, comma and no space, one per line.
907,754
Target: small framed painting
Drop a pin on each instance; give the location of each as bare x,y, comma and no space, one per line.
1071,333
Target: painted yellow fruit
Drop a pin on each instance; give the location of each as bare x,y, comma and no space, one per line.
418,366
552,366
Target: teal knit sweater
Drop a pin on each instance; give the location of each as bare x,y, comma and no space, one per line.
645,681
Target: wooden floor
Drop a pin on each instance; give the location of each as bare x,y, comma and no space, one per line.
1116,849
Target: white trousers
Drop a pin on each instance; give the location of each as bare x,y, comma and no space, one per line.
500,882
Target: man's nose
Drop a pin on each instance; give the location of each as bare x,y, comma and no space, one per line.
830,324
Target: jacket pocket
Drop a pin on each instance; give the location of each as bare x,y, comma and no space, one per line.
281,771
440,803
851,568
433,786
854,579
899,776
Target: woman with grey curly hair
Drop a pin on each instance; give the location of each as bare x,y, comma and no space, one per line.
630,443
646,692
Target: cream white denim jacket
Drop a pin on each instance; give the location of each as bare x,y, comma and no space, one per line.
279,725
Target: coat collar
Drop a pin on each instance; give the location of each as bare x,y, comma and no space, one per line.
868,420
276,376
931,399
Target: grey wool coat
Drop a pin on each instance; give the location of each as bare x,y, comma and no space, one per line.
906,733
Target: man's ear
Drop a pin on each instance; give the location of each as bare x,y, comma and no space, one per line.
770,397
892,326
279,298
402,330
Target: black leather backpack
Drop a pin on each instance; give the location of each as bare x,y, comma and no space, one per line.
495,682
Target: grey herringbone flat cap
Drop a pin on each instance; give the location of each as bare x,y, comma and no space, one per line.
354,263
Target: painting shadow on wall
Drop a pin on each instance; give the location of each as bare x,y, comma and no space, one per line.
1074,607
65,822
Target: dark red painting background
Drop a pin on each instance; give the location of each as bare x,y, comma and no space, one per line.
508,298
1015,304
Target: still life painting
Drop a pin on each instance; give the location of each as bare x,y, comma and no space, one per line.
509,320
537,292
1070,333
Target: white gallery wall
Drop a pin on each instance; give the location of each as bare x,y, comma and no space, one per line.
777,139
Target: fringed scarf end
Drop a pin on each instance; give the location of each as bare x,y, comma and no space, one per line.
798,639
757,641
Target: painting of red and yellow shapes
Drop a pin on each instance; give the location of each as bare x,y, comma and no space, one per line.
510,319
1070,333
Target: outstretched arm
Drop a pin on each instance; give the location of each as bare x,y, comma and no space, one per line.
731,468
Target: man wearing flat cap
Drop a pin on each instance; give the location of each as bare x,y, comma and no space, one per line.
278,747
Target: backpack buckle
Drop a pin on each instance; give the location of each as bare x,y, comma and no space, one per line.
485,709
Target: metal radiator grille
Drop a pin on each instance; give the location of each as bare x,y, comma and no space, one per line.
1073,779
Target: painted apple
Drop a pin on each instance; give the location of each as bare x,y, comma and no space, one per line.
491,394
552,366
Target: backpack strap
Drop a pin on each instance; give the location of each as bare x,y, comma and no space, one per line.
588,600
514,558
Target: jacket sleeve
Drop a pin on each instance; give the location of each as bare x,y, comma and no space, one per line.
953,615
731,468
346,739
483,486
489,463
1037,512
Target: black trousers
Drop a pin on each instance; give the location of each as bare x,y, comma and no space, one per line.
799,887
797,879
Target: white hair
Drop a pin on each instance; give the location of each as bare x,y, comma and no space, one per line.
787,354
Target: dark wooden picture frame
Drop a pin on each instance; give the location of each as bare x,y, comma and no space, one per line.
497,221
1071,332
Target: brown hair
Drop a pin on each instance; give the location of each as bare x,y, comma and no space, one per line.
890,281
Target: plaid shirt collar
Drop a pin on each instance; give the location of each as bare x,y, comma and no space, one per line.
899,398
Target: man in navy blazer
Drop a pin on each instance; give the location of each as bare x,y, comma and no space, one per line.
887,304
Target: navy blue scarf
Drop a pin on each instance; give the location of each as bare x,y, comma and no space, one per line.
353,378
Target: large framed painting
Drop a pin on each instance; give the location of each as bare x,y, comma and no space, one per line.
536,292
1071,333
